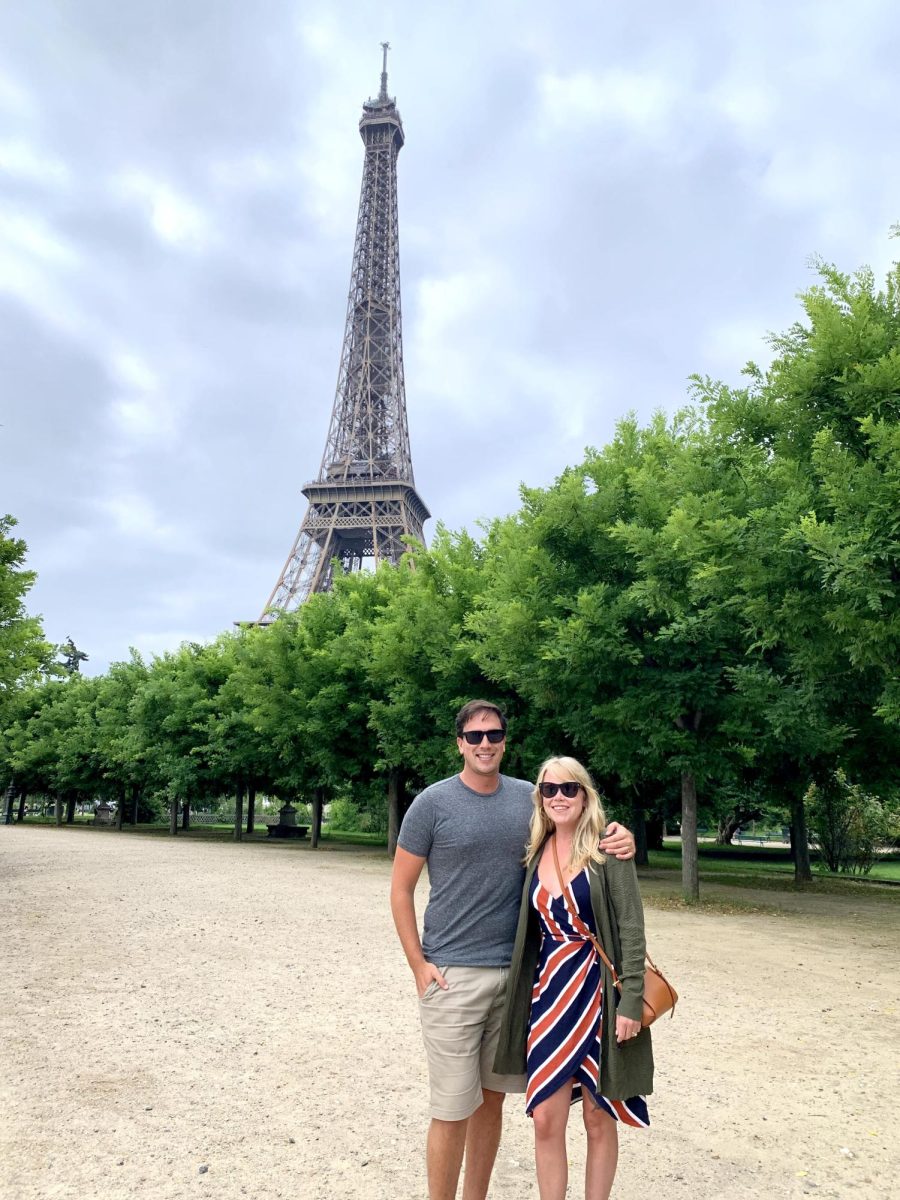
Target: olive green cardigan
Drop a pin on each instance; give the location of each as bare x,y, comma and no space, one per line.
625,1070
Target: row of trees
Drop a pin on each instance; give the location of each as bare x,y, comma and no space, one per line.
706,611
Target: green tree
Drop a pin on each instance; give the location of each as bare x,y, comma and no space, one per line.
240,748
823,420
310,697
613,604
122,756
422,667
24,653
52,744
172,713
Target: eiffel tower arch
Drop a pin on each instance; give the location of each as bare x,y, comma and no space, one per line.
364,499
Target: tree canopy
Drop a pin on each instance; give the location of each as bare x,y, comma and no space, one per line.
705,610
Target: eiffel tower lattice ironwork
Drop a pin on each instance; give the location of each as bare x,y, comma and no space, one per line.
364,500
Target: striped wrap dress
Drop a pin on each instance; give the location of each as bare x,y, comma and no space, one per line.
564,1032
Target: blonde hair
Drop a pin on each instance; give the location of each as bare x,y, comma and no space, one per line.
589,828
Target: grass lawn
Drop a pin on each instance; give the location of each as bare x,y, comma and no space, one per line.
218,833
762,866
766,867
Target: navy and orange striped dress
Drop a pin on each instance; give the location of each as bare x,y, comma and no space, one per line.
566,1005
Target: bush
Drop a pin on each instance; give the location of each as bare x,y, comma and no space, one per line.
848,826
364,810
343,815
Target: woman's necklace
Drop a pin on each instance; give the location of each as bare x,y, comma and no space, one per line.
564,850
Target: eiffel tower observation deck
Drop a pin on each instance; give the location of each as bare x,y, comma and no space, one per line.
364,499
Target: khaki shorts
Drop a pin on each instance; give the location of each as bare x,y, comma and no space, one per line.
461,1028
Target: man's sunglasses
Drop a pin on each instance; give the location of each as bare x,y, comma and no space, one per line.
569,789
474,736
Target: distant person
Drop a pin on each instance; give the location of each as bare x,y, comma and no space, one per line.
471,830
564,1023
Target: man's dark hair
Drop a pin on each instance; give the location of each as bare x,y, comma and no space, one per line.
472,709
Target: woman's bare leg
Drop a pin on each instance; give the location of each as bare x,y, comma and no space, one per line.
550,1143
602,1151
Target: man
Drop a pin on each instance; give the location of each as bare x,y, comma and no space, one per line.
471,830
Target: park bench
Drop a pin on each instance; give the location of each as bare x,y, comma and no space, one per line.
762,838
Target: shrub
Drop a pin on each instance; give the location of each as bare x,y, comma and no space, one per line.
848,826
364,810
343,815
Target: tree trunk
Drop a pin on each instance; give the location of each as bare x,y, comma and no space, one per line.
251,808
10,796
20,815
186,815
725,830
690,873
239,791
728,826
173,816
70,810
318,804
57,808
800,840
120,808
135,798
655,829
395,808
639,829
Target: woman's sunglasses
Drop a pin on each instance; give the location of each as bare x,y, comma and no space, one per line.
474,736
569,789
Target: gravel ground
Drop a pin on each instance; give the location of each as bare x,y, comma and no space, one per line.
185,1018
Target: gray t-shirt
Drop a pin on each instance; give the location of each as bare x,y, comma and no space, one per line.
474,844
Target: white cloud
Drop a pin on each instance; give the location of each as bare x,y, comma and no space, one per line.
14,98
67,550
798,179
157,642
139,418
173,217
135,517
143,409
749,105
33,237
320,34
22,160
37,267
133,371
456,311
726,346
246,172
642,100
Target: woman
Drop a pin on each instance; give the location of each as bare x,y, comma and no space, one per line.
565,1025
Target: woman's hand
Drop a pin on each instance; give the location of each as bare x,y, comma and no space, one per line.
626,1029
618,841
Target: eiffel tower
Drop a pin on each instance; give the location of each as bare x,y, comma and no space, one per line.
364,499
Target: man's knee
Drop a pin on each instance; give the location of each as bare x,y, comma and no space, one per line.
446,1139
493,1101
448,1129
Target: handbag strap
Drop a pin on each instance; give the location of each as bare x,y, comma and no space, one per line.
580,925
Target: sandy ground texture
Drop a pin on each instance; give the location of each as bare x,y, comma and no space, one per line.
181,1018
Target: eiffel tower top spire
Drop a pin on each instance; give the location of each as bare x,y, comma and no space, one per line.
364,500
382,95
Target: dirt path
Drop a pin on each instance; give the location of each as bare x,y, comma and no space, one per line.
168,1006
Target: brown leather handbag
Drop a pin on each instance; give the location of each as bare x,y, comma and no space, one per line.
659,995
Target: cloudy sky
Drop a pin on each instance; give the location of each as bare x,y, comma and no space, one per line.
596,200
